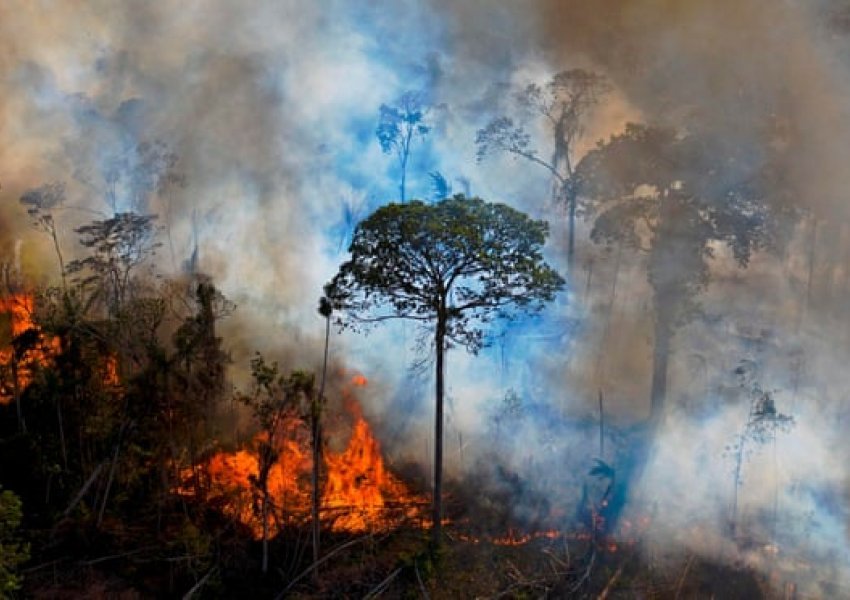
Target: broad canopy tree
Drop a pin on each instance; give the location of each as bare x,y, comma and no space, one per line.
453,266
678,197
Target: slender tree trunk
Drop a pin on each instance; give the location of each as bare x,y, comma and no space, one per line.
601,428
609,311
59,256
571,236
660,361
403,177
437,514
317,450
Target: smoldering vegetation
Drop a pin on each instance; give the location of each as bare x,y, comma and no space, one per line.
250,133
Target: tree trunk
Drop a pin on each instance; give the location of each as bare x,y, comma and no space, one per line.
571,226
59,256
438,433
403,177
317,451
660,360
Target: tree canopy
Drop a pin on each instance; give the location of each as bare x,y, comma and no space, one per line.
398,125
678,197
563,104
464,259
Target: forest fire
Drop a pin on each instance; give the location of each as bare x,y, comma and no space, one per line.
25,345
359,492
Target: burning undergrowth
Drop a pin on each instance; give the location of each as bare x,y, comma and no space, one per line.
27,349
359,492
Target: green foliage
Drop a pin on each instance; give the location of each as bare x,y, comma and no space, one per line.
461,260
13,551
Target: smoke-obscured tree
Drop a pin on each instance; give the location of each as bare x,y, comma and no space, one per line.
764,423
191,380
130,176
398,126
677,198
563,104
41,202
118,245
452,266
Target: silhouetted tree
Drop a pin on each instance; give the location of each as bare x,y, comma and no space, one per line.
563,103
676,197
398,126
118,245
317,407
41,203
450,266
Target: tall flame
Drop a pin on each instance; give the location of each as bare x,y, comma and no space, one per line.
359,492
18,310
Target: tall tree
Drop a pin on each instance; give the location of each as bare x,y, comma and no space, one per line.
118,245
41,203
317,407
677,197
563,103
451,266
398,126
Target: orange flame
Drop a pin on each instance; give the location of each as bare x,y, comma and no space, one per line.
359,492
17,370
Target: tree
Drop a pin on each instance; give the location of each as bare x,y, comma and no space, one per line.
398,126
677,197
276,398
451,266
563,103
317,406
119,245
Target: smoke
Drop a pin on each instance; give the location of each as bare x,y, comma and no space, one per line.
270,112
